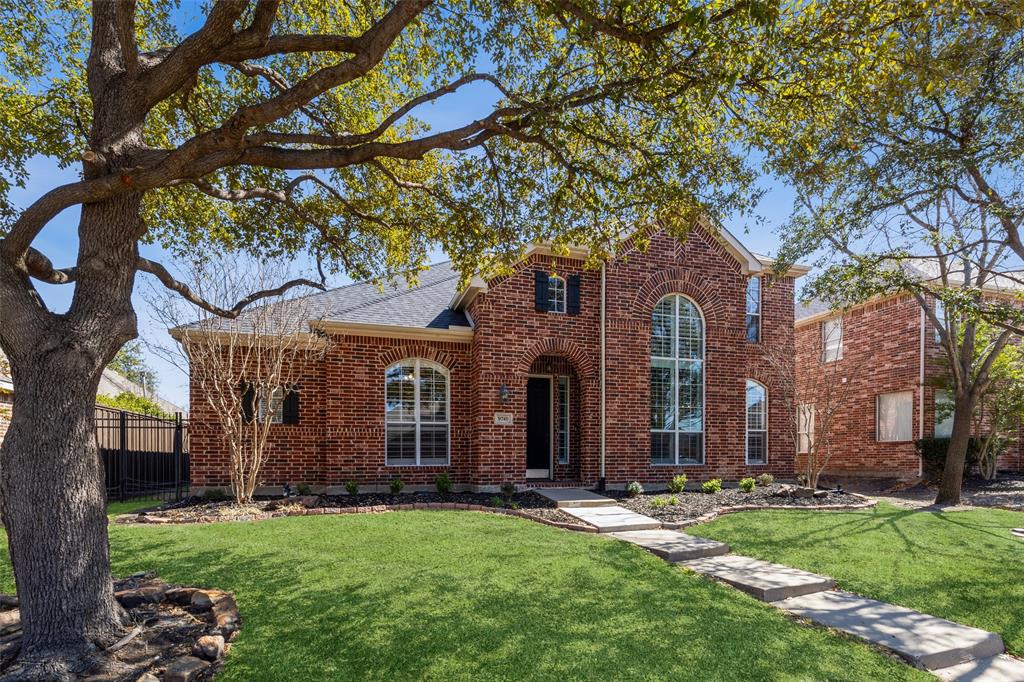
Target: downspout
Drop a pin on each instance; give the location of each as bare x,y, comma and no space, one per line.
601,476
920,396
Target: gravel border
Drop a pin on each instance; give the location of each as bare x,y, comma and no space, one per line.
868,503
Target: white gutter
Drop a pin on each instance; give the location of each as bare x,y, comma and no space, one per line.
603,366
920,395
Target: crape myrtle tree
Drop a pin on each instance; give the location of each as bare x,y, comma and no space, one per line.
908,178
284,128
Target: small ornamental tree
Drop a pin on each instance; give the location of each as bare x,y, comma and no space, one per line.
247,370
819,398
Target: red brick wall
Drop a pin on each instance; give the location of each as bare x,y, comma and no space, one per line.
341,434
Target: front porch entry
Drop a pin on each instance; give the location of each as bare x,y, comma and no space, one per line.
539,403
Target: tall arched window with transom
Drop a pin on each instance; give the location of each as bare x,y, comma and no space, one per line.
677,382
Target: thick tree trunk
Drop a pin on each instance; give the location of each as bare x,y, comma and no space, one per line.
53,498
956,455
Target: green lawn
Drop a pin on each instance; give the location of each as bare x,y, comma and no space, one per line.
458,595
964,566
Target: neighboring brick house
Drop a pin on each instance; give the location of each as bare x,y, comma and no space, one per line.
889,349
503,380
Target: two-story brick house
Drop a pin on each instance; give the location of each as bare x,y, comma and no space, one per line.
651,366
890,352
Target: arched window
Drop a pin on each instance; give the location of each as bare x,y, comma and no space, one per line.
416,413
757,423
556,294
677,382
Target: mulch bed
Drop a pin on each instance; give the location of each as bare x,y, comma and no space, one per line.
174,632
527,504
696,506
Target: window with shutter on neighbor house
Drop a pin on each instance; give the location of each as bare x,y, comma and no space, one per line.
416,413
753,307
832,340
895,416
277,405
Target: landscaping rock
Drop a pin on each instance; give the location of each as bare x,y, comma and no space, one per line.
225,614
148,677
203,600
185,669
801,491
209,647
151,594
181,596
9,618
9,600
820,493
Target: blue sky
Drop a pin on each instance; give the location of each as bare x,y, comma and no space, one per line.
59,239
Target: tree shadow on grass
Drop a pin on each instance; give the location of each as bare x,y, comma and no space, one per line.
454,596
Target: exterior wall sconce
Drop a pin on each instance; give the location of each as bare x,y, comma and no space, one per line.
505,394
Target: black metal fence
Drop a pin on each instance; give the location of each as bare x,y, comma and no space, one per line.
143,456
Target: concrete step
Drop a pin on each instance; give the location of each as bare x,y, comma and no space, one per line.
1000,668
612,519
926,641
671,545
767,582
574,497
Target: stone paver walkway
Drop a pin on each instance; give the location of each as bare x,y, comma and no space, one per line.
949,650
612,519
926,641
673,546
575,497
767,582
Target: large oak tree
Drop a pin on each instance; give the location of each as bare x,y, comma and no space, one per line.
281,128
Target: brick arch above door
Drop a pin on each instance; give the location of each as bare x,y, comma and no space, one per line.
572,351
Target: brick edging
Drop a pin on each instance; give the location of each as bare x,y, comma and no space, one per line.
722,511
143,518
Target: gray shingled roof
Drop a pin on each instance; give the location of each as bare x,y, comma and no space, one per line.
423,306
812,307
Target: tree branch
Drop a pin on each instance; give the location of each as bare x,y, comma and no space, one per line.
183,290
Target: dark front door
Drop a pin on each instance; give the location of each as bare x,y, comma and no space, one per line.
538,427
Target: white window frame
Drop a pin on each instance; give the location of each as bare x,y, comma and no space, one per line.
935,414
746,308
746,419
828,353
417,421
675,360
804,428
276,405
563,413
557,294
909,396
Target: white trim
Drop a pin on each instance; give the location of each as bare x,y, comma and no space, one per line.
568,415
565,295
760,305
746,420
417,423
675,360
394,331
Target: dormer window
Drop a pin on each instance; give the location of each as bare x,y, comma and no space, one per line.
556,294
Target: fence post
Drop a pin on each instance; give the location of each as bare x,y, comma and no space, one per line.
177,456
122,447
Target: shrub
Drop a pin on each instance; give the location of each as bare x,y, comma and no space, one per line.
765,480
634,489
933,455
508,488
659,502
397,485
513,505
747,484
673,500
304,489
712,486
214,495
351,487
677,484
443,483
496,501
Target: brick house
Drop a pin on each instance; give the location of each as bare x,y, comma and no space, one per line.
889,349
553,374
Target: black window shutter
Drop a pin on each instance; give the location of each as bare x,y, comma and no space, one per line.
248,402
540,291
572,298
290,407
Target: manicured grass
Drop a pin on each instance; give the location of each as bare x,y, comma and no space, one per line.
964,566
129,506
458,595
